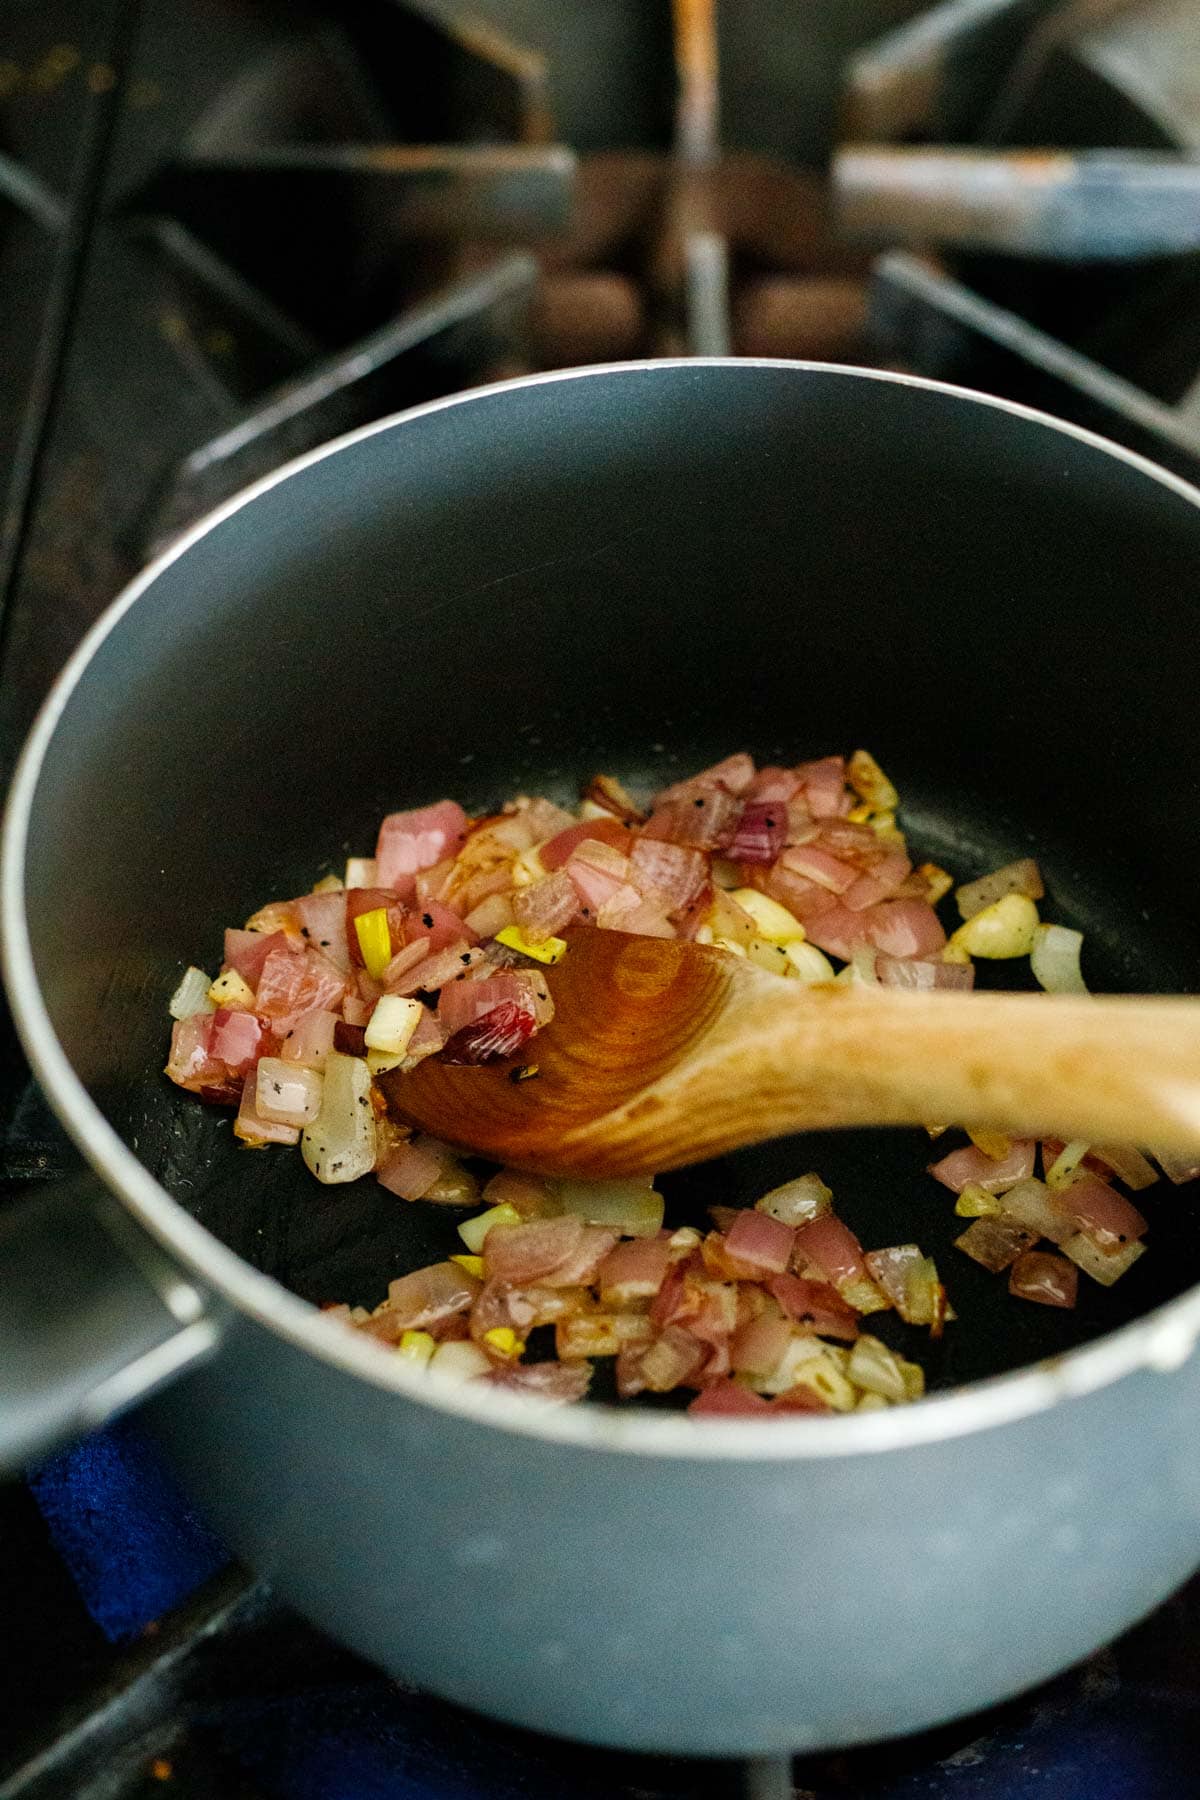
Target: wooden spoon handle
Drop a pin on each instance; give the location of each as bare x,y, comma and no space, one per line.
1112,1069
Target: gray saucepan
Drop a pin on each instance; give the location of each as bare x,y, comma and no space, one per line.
633,569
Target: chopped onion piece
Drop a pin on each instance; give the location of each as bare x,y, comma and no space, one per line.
800,1351
797,1202
876,1369
392,1023
1054,959
1050,1280
1101,1265
1175,1166
1023,877
285,1093
995,1243
1105,1215
256,1131
1062,1170
411,1170
634,1270
1036,1208
454,1186
1006,928
1128,1165
970,1164
310,1039
761,1242
191,996
910,1281
339,1145
361,872
631,1207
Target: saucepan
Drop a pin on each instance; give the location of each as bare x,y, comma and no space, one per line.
636,570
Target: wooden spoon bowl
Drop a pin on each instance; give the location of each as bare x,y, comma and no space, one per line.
663,1053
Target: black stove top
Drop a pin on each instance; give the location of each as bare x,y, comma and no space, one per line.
229,230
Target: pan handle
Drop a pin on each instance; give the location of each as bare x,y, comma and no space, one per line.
93,1317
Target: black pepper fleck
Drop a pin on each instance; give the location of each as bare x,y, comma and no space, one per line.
465,957
427,921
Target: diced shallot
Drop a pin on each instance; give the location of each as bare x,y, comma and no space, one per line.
247,951
191,996
970,1164
558,852
707,820
252,1128
410,1170
995,1243
292,985
409,841
831,1246
761,832
630,1205
546,907
437,928
905,928
634,1270
430,1295
1050,1280
463,1002
1023,877
491,915
339,1145
524,1253
557,1383
670,1360
757,1347
760,1242
501,1032
668,872
816,1305
285,1093
323,925
923,975
1103,1213
797,1202
728,1399
597,872
434,972
238,1039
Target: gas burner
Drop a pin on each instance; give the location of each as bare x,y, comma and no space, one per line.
1044,156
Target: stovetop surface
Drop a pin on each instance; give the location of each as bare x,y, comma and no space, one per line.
180,345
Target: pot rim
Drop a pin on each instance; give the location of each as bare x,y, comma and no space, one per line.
1160,1340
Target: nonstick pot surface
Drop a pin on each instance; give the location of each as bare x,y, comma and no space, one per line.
636,572
347,1243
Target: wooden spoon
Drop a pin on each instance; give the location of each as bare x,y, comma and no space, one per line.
663,1053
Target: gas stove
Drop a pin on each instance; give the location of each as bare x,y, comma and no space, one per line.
231,229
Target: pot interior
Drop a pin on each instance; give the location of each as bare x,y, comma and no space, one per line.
635,571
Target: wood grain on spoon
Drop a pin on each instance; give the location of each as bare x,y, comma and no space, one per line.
663,1053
